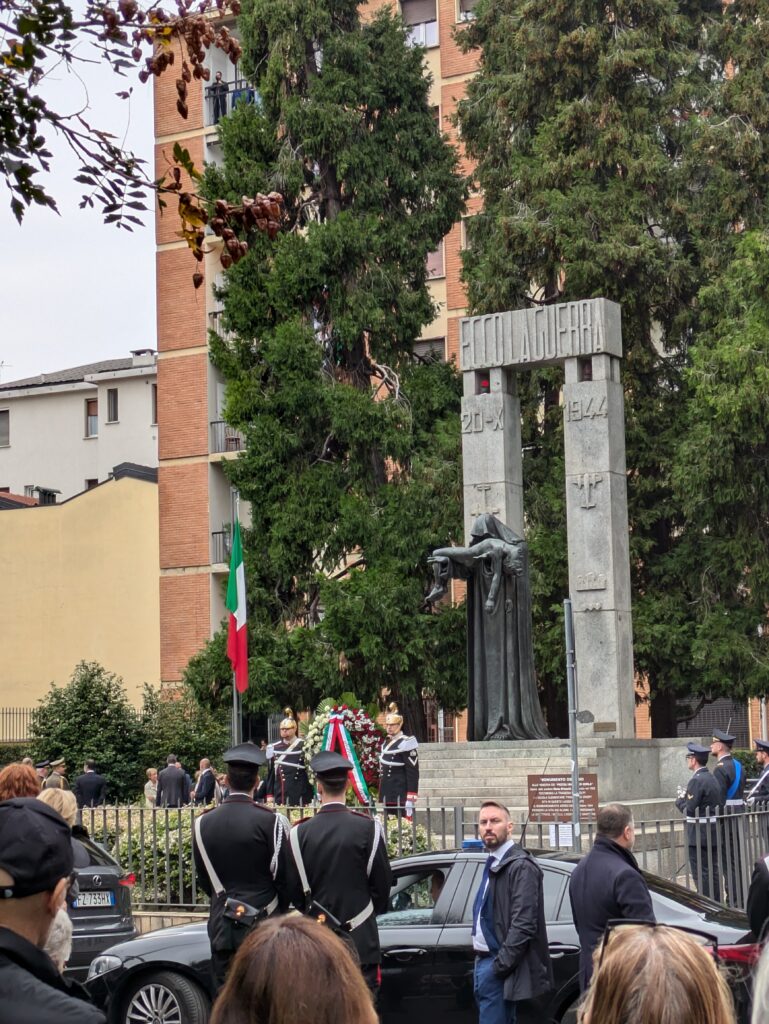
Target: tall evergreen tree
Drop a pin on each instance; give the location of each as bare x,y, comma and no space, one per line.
617,157
351,466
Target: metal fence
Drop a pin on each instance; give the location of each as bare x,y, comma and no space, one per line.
156,846
14,724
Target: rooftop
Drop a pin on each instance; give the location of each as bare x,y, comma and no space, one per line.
75,374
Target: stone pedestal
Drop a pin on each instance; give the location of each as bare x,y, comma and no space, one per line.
597,526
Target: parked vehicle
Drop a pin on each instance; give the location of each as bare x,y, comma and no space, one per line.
427,966
101,909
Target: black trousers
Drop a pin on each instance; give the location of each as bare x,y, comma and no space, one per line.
705,869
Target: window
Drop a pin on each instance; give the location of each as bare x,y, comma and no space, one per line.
112,407
421,19
91,483
46,496
5,428
466,10
435,263
413,898
91,417
154,404
5,490
29,490
431,348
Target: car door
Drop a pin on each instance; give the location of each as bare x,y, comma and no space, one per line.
455,959
408,934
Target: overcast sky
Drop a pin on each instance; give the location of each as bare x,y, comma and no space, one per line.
73,289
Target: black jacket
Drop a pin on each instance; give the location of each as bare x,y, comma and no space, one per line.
205,787
287,780
758,898
759,792
398,770
247,845
724,773
90,789
336,846
523,959
173,787
702,801
606,884
33,992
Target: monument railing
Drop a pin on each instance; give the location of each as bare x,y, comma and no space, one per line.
155,846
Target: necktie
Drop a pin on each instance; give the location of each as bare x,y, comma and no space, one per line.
479,896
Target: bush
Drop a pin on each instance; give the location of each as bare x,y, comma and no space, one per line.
14,752
90,717
178,724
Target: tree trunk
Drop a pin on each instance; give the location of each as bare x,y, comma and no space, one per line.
663,714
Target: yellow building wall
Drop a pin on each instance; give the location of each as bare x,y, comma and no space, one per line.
79,582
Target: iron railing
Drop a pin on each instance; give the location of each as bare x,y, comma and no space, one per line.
15,724
221,546
219,102
156,845
225,438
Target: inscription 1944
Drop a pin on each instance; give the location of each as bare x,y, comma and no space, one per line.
548,334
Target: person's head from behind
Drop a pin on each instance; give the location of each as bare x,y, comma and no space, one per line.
242,778
89,766
19,780
36,862
325,986
656,975
615,821
63,801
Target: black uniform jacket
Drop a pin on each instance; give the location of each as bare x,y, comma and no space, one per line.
287,781
759,793
523,959
336,846
398,769
703,797
33,992
90,789
724,773
606,884
173,787
247,844
758,898
206,787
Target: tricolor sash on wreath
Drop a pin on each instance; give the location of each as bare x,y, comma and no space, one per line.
336,737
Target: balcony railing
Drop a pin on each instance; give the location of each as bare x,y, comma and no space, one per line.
215,324
221,546
423,34
14,724
222,98
225,438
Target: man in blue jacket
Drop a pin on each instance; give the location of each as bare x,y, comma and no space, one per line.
512,960
607,884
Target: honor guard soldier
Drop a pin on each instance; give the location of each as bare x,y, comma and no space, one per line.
700,801
398,765
288,782
241,856
759,793
731,778
339,870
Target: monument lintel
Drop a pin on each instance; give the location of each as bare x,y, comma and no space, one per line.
525,338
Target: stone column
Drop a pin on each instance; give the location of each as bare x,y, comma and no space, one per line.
491,448
599,564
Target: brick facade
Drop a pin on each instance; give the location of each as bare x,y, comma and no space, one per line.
181,312
183,503
183,423
185,619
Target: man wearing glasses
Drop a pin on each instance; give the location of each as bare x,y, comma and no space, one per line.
607,884
35,874
512,960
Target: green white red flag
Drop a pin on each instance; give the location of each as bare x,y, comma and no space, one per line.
237,643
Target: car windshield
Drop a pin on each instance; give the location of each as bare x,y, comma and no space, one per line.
88,853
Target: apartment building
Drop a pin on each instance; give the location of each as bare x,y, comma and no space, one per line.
194,494
63,432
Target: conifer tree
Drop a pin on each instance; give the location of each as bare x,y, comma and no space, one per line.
351,461
619,158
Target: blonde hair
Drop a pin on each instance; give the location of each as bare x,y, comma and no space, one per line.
63,801
761,990
657,975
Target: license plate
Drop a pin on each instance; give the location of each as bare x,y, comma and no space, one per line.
95,899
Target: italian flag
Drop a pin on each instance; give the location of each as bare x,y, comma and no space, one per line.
237,641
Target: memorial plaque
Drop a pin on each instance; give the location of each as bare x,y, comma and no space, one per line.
550,797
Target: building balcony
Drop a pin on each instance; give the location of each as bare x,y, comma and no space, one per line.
225,438
222,98
221,547
215,324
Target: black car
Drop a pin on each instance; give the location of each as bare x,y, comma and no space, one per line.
101,908
427,967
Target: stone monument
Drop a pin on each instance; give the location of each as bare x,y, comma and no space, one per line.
586,337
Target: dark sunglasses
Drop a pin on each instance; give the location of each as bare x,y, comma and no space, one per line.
705,939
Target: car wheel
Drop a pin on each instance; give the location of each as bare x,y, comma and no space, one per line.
165,998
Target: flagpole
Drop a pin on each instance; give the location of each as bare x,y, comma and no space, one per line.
237,650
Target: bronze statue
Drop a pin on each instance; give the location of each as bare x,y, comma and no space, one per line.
502,700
